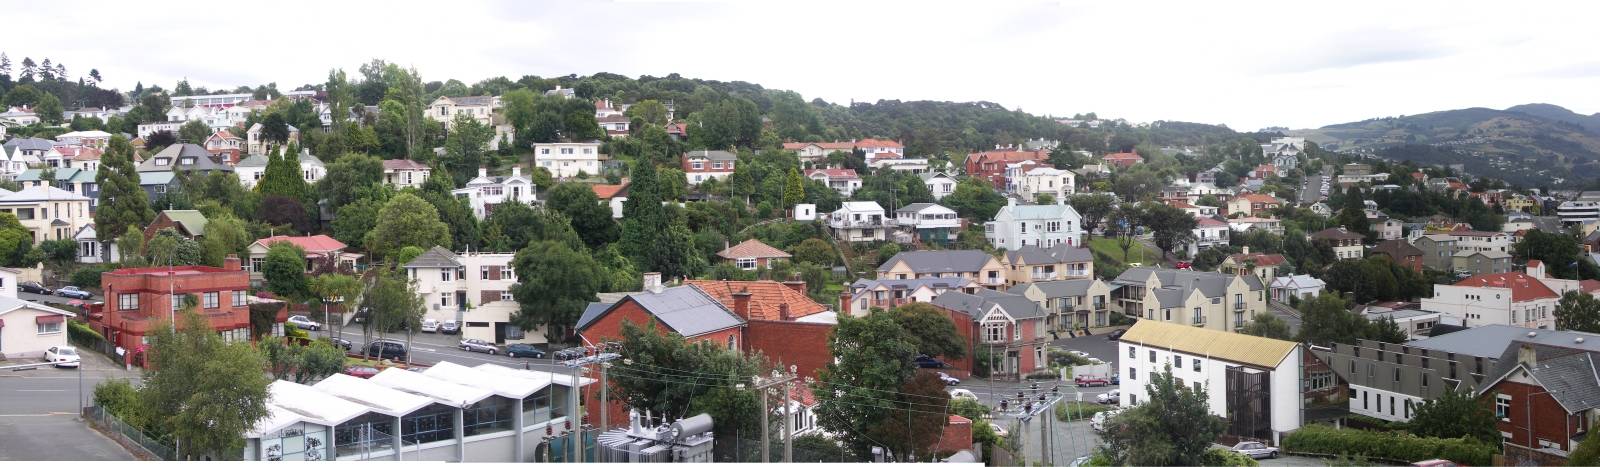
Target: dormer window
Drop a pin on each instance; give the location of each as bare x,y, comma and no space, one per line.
162,161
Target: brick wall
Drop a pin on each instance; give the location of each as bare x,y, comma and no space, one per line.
804,345
1549,421
957,435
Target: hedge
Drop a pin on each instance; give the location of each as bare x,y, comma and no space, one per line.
1396,446
83,335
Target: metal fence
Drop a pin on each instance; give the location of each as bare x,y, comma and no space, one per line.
127,435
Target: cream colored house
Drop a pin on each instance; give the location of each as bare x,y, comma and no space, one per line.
49,213
1034,264
1072,304
984,270
567,160
27,329
474,289
445,109
1210,300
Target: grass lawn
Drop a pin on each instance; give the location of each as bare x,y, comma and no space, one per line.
1110,251
1079,410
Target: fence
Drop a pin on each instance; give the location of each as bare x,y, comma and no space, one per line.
127,435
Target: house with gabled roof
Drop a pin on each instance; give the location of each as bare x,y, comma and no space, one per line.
28,329
484,192
323,254
472,288
702,165
1208,233
844,181
226,146
1122,160
1545,394
92,250
251,169
49,213
1400,252
866,294
752,254
405,173
445,109
1345,244
1262,265
1210,300
1296,287
1034,263
1511,298
185,157
189,223
977,265
991,165
1011,327
1273,369
1073,303
1047,225
939,183
860,221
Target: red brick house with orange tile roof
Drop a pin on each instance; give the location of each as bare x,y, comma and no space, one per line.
752,254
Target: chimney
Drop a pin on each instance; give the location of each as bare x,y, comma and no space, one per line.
1526,355
783,312
1247,251
844,300
798,286
231,263
483,172
516,171
1010,201
741,304
652,282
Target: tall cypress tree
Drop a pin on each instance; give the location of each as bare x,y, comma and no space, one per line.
123,203
282,176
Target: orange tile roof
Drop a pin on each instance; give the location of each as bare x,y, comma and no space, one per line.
607,191
878,143
1008,156
313,244
1261,259
1128,156
765,297
1523,287
1259,198
752,248
834,173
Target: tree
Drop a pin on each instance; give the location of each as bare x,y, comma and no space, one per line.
650,111
521,110
284,270
1174,427
283,177
205,392
794,189
1455,414
935,334
453,210
123,203
1587,453
341,292
974,198
350,178
15,241
49,109
872,359
465,147
663,373
1559,252
815,251
591,219
302,364
1325,320
1094,208
406,220
394,304
225,235
1170,227
1267,325
130,244
556,282
1578,311
195,131
1126,220
655,238
169,247
352,222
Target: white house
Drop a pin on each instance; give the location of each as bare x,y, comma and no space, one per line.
1301,286
484,192
866,294
251,169
27,329
1058,183
1218,362
860,221
1045,225
22,116
567,160
844,181
702,165
405,173
1512,298
1208,232
90,248
472,288
928,222
92,138
49,213
256,143
940,184
446,108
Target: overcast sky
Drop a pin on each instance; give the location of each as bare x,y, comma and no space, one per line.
1247,65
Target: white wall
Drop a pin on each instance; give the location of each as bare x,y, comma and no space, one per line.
1213,374
20,338
1371,409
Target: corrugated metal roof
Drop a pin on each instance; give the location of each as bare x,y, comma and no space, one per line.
1240,348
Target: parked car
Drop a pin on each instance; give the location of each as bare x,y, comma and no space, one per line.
1183,265
1255,450
962,394
924,361
1112,397
1117,334
304,322
62,356
72,291
479,345
35,287
449,326
386,349
1090,380
360,316
523,350
362,372
341,343
1098,421
430,325
948,380
570,353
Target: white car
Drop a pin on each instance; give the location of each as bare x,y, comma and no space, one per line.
1255,450
303,322
962,394
62,356
1098,421
1112,397
430,325
948,380
1079,353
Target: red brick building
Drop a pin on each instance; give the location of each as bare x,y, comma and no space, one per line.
1010,327
137,299
991,165
1401,252
1544,397
1122,160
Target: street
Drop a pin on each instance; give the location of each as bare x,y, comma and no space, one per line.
39,419
53,299
431,348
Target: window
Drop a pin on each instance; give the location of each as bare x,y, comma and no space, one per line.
1364,400
255,264
507,273
1177,361
732,342
1502,406
994,332
505,295
51,327
128,301
483,272
746,263
1196,364
238,298
1133,399
1391,405
1397,370
1199,318
566,150
1319,380
1132,353
444,299
697,165
1133,373
1152,356
445,275
211,299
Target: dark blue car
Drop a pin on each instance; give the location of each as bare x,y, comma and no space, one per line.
924,361
524,351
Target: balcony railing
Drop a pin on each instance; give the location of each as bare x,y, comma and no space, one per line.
865,223
1238,305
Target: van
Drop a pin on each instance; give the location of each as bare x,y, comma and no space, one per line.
386,350
430,325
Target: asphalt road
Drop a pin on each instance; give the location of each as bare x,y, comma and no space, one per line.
432,348
52,299
38,414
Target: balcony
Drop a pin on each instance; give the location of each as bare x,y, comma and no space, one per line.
861,224
888,303
1238,305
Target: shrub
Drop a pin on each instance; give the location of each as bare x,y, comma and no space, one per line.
120,398
83,335
1079,410
1224,457
87,277
1395,446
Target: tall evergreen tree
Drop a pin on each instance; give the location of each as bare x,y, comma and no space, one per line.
282,176
123,203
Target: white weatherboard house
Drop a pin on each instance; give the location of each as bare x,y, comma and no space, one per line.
485,191
567,160
1044,225
1041,180
27,329
940,184
1253,382
860,221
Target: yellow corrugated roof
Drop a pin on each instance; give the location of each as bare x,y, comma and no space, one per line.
1234,347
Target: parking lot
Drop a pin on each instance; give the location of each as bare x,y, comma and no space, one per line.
38,413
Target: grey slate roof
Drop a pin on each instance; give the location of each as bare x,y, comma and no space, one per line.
30,144
1211,284
1057,289
715,155
933,261
436,257
1034,254
912,284
175,154
1491,340
914,207
1571,380
593,311
258,160
974,305
687,310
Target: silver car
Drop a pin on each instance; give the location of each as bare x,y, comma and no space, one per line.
1255,450
479,345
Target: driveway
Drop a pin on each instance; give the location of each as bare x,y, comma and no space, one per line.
38,414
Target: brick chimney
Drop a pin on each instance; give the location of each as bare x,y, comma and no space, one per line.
783,311
844,300
797,285
741,304
231,263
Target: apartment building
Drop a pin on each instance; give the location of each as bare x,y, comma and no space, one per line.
1217,301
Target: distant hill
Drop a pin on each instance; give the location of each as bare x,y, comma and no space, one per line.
1530,144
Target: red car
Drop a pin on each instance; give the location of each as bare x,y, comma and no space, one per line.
1185,265
1091,381
362,372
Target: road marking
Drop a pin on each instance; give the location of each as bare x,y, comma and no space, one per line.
41,390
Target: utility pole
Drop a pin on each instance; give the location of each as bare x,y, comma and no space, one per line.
764,388
602,356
